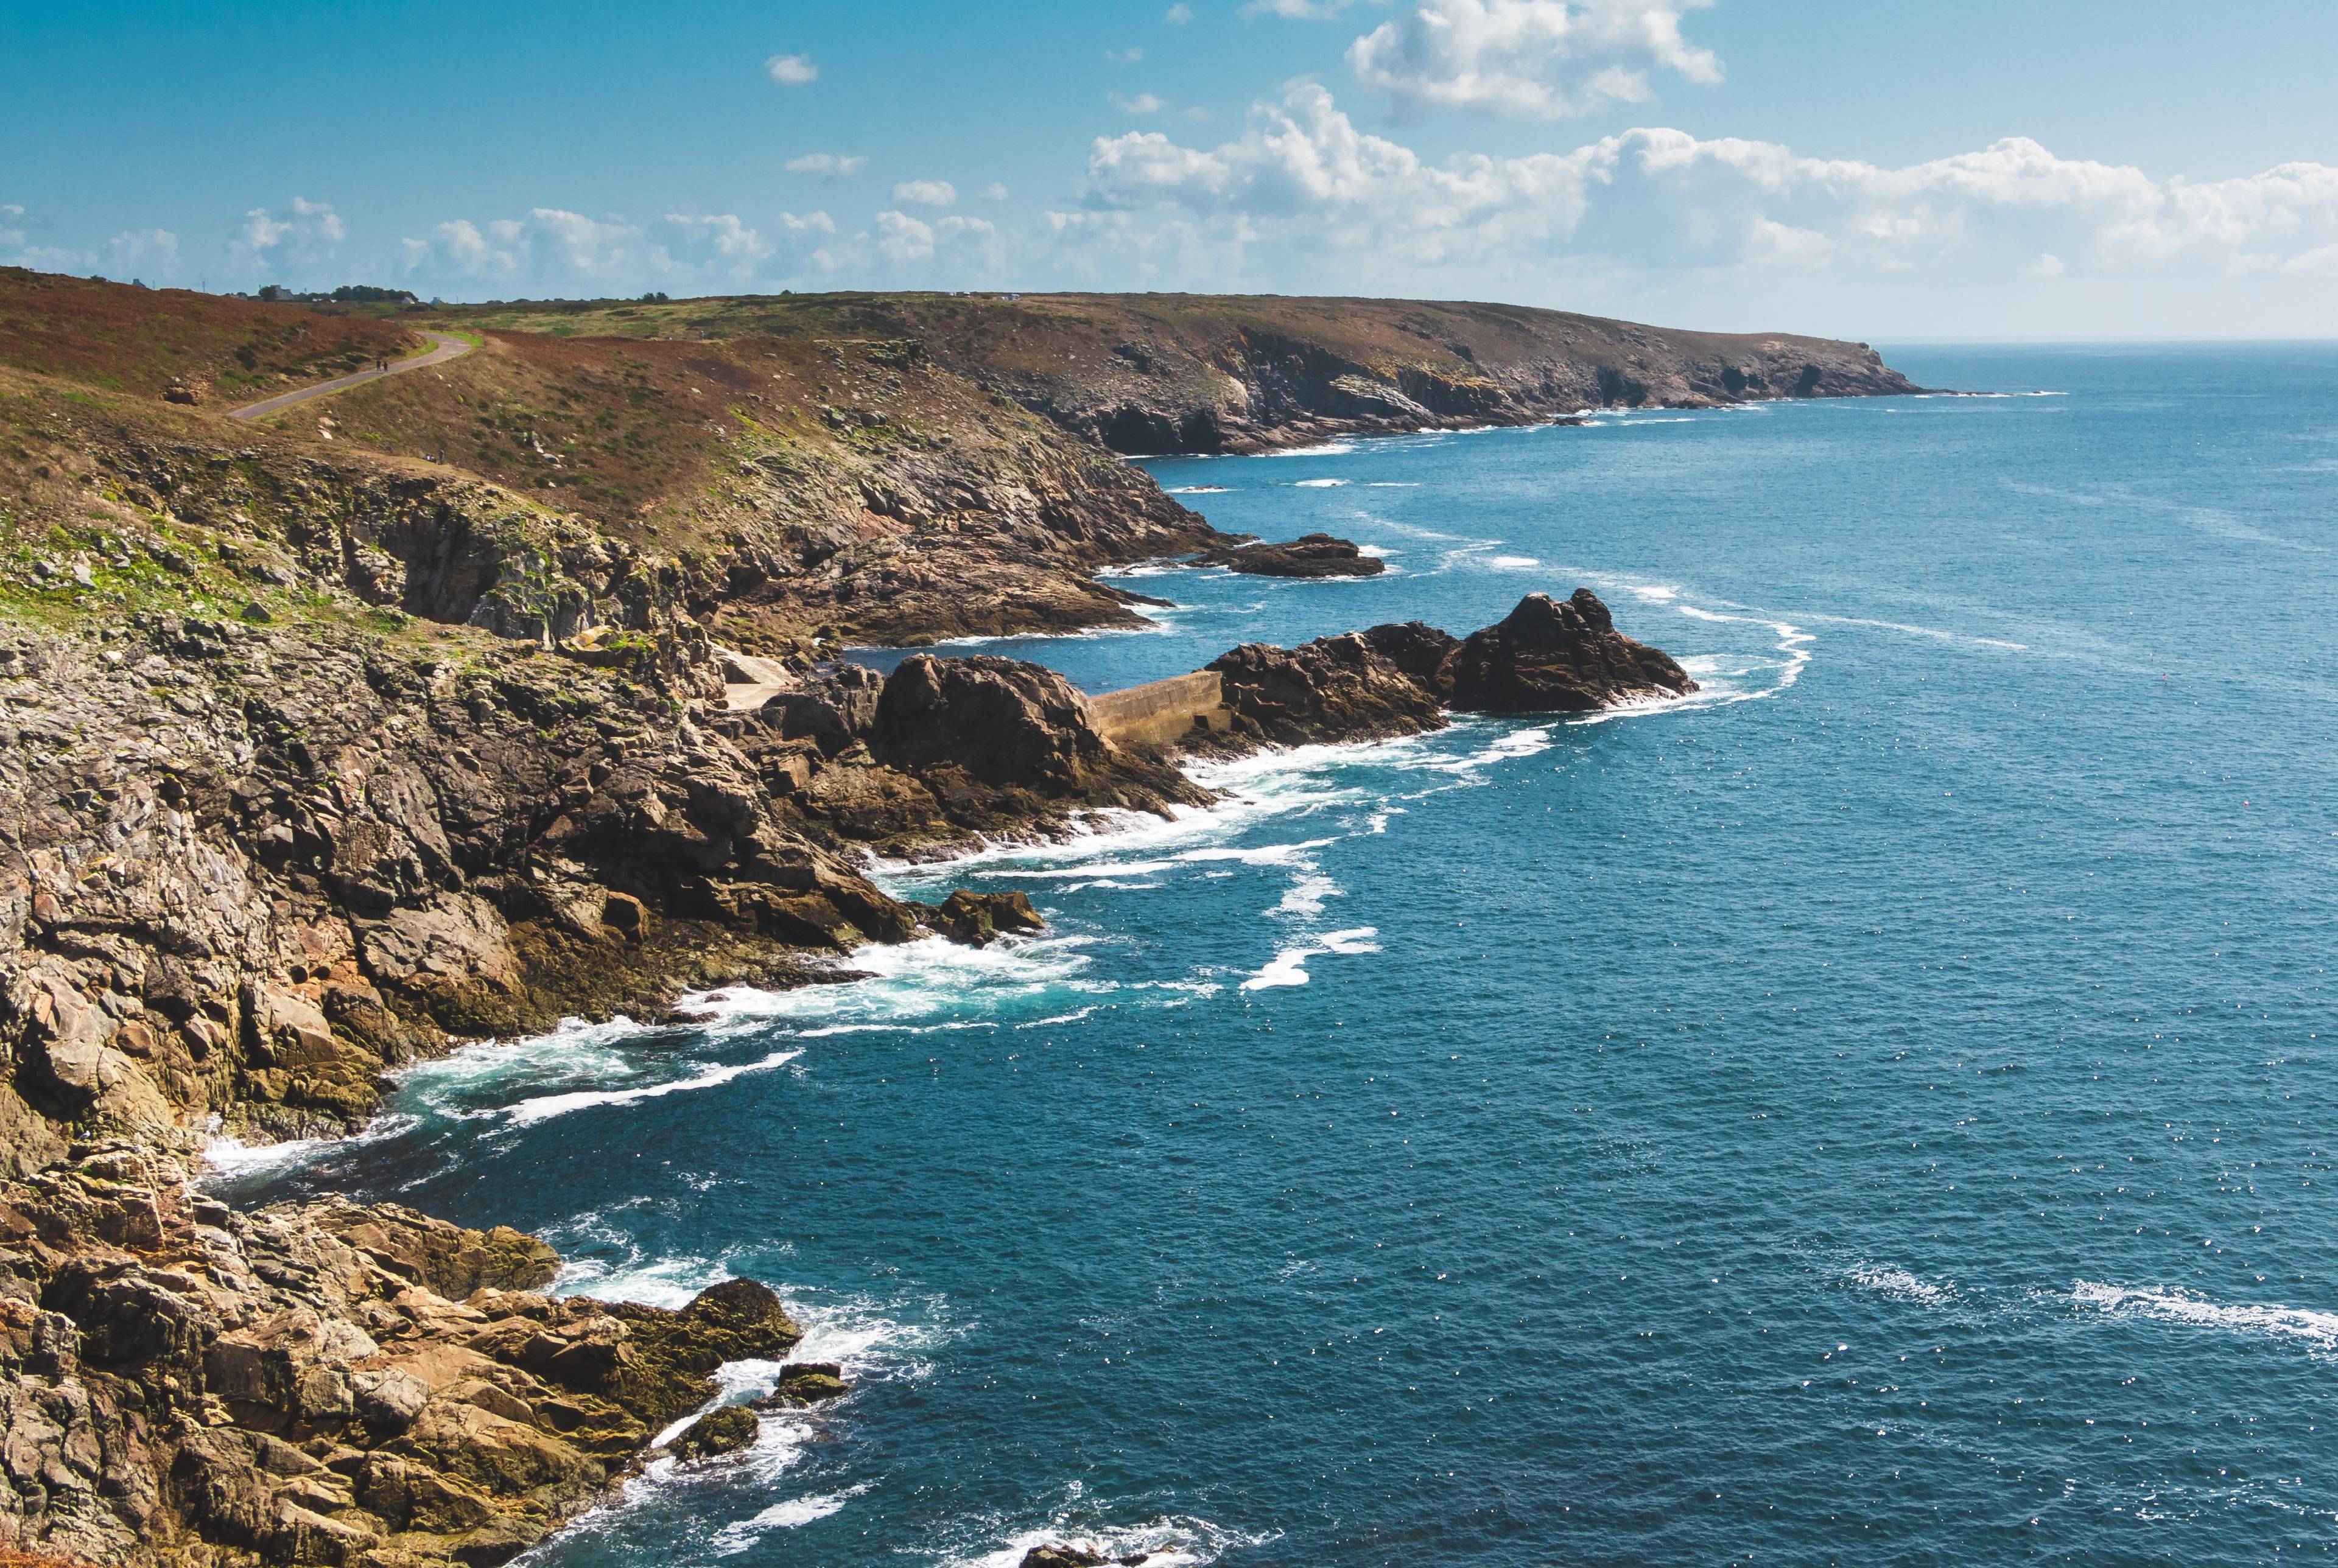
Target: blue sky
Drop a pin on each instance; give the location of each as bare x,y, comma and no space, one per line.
1876,171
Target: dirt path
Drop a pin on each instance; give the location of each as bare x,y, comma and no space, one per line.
448,348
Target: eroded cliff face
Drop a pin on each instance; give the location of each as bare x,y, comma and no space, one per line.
323,1383
316,757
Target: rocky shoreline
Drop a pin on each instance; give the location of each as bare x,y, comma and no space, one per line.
316,759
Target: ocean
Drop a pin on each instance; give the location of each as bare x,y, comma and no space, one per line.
1872,1112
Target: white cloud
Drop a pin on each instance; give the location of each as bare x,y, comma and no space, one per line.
826,165
901,238
139,251
1303,181
994,191
1129,56
926,194
733,249
1177,16
307,234
12,224
1143,104
790,70
548,245
808,223
1298,10
1530,59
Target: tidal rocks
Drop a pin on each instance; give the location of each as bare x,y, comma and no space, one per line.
1398,679
1549,656
1308,555
805,1383
1332,689
979,919
722,1431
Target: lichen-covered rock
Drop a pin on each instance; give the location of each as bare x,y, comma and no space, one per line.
289,1386
722,1431
803,1383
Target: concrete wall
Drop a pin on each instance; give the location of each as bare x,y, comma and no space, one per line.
1160,712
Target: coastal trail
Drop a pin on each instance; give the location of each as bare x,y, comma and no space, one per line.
447,346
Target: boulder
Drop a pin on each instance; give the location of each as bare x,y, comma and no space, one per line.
1003,721
803,1383
1308,555
832,712
1332,689
722,1431
1553,656
979,919
437,1254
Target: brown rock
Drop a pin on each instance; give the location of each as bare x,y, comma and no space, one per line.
1308,555
1552,657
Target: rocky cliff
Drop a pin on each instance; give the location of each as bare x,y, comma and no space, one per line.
327,743
1159,372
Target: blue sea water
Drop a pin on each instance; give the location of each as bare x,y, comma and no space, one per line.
1874,1111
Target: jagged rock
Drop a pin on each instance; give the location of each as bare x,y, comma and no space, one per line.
1422,652
722,1431
1552,657
803,1383
1308,555
1003,721
1332,689
832,712
979,919
263,1386
444,1258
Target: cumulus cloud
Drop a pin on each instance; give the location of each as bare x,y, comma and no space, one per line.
1530,59
901,238
715,245
1129,56
548,245
1143,104
134,252
926,194
994,191
1303,178
808,223
1177,16
826,165
305,234
790,70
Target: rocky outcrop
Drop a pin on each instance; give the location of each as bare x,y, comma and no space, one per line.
1553,656
1547,656
1332,689
1308,555
180,1381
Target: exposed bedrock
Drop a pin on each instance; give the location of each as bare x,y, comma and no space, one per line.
1308,555
318,1382
1557,656
1547,656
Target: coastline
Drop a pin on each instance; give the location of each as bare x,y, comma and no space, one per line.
325,762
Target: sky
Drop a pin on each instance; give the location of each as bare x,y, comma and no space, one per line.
1980,171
